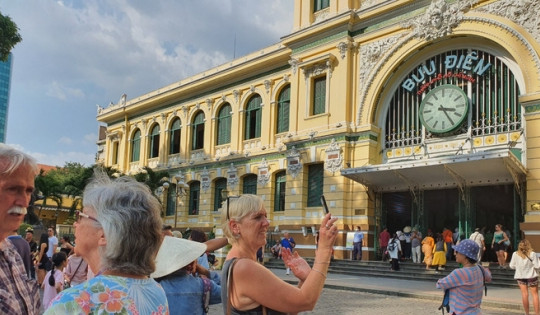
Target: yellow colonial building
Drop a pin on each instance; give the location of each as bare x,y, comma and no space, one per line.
402,113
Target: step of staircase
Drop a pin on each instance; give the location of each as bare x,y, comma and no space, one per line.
408,270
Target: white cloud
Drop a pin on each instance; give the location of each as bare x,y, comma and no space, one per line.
79,53
65,140
56,90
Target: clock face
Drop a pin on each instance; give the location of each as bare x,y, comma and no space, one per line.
444,109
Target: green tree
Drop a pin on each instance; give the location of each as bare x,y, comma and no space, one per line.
9,36
48,186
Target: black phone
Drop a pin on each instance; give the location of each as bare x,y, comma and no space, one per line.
324,205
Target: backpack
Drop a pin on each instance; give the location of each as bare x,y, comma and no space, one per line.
392,245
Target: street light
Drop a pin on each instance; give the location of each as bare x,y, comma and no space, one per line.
179,192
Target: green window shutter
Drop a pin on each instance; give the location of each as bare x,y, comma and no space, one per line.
319,95
315,184
171,200
224,125
221,184
253,118
250,184
154,142
283,110
279,193
194,195
174,137
136,146
198,132
320,4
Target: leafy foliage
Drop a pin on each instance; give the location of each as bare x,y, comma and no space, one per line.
9,36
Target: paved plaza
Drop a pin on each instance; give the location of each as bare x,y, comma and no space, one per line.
345,294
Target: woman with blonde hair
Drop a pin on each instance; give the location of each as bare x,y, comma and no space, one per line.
525,262
248,287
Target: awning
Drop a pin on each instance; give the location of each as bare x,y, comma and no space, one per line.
479,169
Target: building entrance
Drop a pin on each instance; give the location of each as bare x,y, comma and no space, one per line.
482,207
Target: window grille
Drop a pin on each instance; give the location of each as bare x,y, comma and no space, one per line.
174,146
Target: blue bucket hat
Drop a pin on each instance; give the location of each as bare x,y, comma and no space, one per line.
469,248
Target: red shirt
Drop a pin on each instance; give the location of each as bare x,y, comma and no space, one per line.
447,236
384,237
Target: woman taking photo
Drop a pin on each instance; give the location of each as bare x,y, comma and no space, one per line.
525,262
118,233
247,287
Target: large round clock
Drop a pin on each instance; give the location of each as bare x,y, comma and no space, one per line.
444,109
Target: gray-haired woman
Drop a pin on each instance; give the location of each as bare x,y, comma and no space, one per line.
118,233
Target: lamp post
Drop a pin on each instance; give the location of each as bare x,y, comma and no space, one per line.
179,193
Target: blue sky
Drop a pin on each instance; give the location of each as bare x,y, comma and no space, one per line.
76,55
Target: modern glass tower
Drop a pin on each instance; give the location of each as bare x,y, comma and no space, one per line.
5,79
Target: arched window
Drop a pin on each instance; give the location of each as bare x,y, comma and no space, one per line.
154,142
221,184
171,200
250,184
174,136
194,197
279,191
253,118
224,125
136,146
284,102
197,141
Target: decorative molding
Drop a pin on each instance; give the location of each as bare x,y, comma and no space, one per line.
209,104
236,95
334,158
267,86
294,65
232,176
294,162
523,13
439,19
263,176
343,48
205,180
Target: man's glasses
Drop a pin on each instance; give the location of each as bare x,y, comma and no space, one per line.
79,214
228,198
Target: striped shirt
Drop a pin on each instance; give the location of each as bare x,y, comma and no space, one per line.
466,288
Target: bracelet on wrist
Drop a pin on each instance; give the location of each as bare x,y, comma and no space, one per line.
318,271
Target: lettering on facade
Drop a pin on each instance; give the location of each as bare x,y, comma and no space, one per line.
455,66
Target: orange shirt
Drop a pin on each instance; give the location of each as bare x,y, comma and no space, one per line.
447,236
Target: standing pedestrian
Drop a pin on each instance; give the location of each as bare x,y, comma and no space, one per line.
54,280
499,246
358,242
384,238
407,246
33,250
465,284
478,238
427,247
287,243
448,237
416,249
20,294
394,251
439,253
525,262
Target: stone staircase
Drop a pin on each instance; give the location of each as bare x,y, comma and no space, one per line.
409,271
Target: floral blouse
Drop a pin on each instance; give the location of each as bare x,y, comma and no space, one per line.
106,294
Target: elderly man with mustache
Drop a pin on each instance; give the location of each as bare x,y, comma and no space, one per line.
19,293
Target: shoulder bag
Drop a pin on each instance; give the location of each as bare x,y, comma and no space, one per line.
229,285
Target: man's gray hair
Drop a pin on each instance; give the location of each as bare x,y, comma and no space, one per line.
12,159
130,217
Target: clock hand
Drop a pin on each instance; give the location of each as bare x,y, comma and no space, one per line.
445,112
446,109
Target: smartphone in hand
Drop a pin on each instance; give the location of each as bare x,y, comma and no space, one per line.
325,206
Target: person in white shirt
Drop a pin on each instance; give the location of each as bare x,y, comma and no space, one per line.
478,238
525,262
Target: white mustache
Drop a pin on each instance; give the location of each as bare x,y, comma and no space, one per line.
17,210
